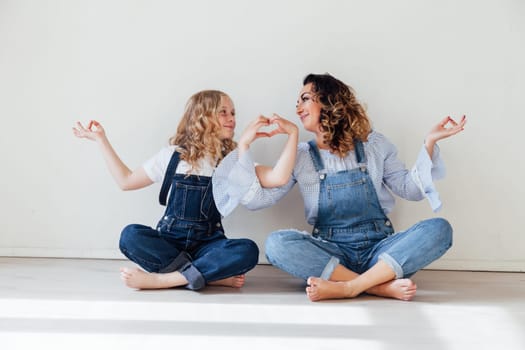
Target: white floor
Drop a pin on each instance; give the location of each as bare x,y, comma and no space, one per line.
82,304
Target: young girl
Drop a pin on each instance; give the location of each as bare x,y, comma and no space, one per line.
188,247
347,175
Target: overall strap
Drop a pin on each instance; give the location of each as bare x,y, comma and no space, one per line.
316,156
360,151
168,177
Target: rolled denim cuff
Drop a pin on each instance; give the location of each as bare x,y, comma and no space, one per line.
329,268
195,279
180,261
398,270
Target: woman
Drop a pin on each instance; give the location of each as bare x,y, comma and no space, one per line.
346,175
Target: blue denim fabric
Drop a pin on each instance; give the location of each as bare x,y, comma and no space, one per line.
353,230
189,238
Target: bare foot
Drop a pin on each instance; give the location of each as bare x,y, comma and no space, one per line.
234,282
319,289
402,289
139,279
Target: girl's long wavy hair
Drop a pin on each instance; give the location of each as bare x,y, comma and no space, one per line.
343,119
199,132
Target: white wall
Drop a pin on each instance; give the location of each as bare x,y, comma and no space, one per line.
133,64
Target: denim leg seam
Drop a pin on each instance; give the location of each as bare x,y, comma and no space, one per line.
300,254
429,261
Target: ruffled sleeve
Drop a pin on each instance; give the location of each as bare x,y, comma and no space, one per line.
235,182
426,171
232,180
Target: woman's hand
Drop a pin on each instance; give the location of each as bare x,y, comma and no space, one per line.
280,174
94,131
284,126
446,128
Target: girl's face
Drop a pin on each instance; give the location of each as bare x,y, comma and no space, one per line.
226,118
308,110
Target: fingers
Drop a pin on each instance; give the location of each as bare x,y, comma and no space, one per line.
91,123
453,124
463,121
94,123
80,126
448,127
457,127
276,131
283,126
89,126
444,121
262,121
275,117
79,130
93,130
280,121
259,134
450,120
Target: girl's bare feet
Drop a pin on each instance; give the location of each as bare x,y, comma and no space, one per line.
139,279
402,289
319,289
234,282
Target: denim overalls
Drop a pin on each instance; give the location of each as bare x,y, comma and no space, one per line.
352,230
189,238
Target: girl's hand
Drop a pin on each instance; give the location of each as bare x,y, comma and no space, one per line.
252,133
94,131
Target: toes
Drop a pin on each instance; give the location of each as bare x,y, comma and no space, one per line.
313,296
311,281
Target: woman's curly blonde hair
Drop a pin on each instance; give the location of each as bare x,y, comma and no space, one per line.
343,119
199,132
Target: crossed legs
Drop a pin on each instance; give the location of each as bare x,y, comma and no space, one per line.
219,262
379,280
403,254
140,279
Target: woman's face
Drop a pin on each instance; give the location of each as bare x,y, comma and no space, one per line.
226,118
308,110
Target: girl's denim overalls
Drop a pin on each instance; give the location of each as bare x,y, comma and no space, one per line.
353,230
189,238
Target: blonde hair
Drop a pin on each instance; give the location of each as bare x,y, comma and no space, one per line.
199,132
343,119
